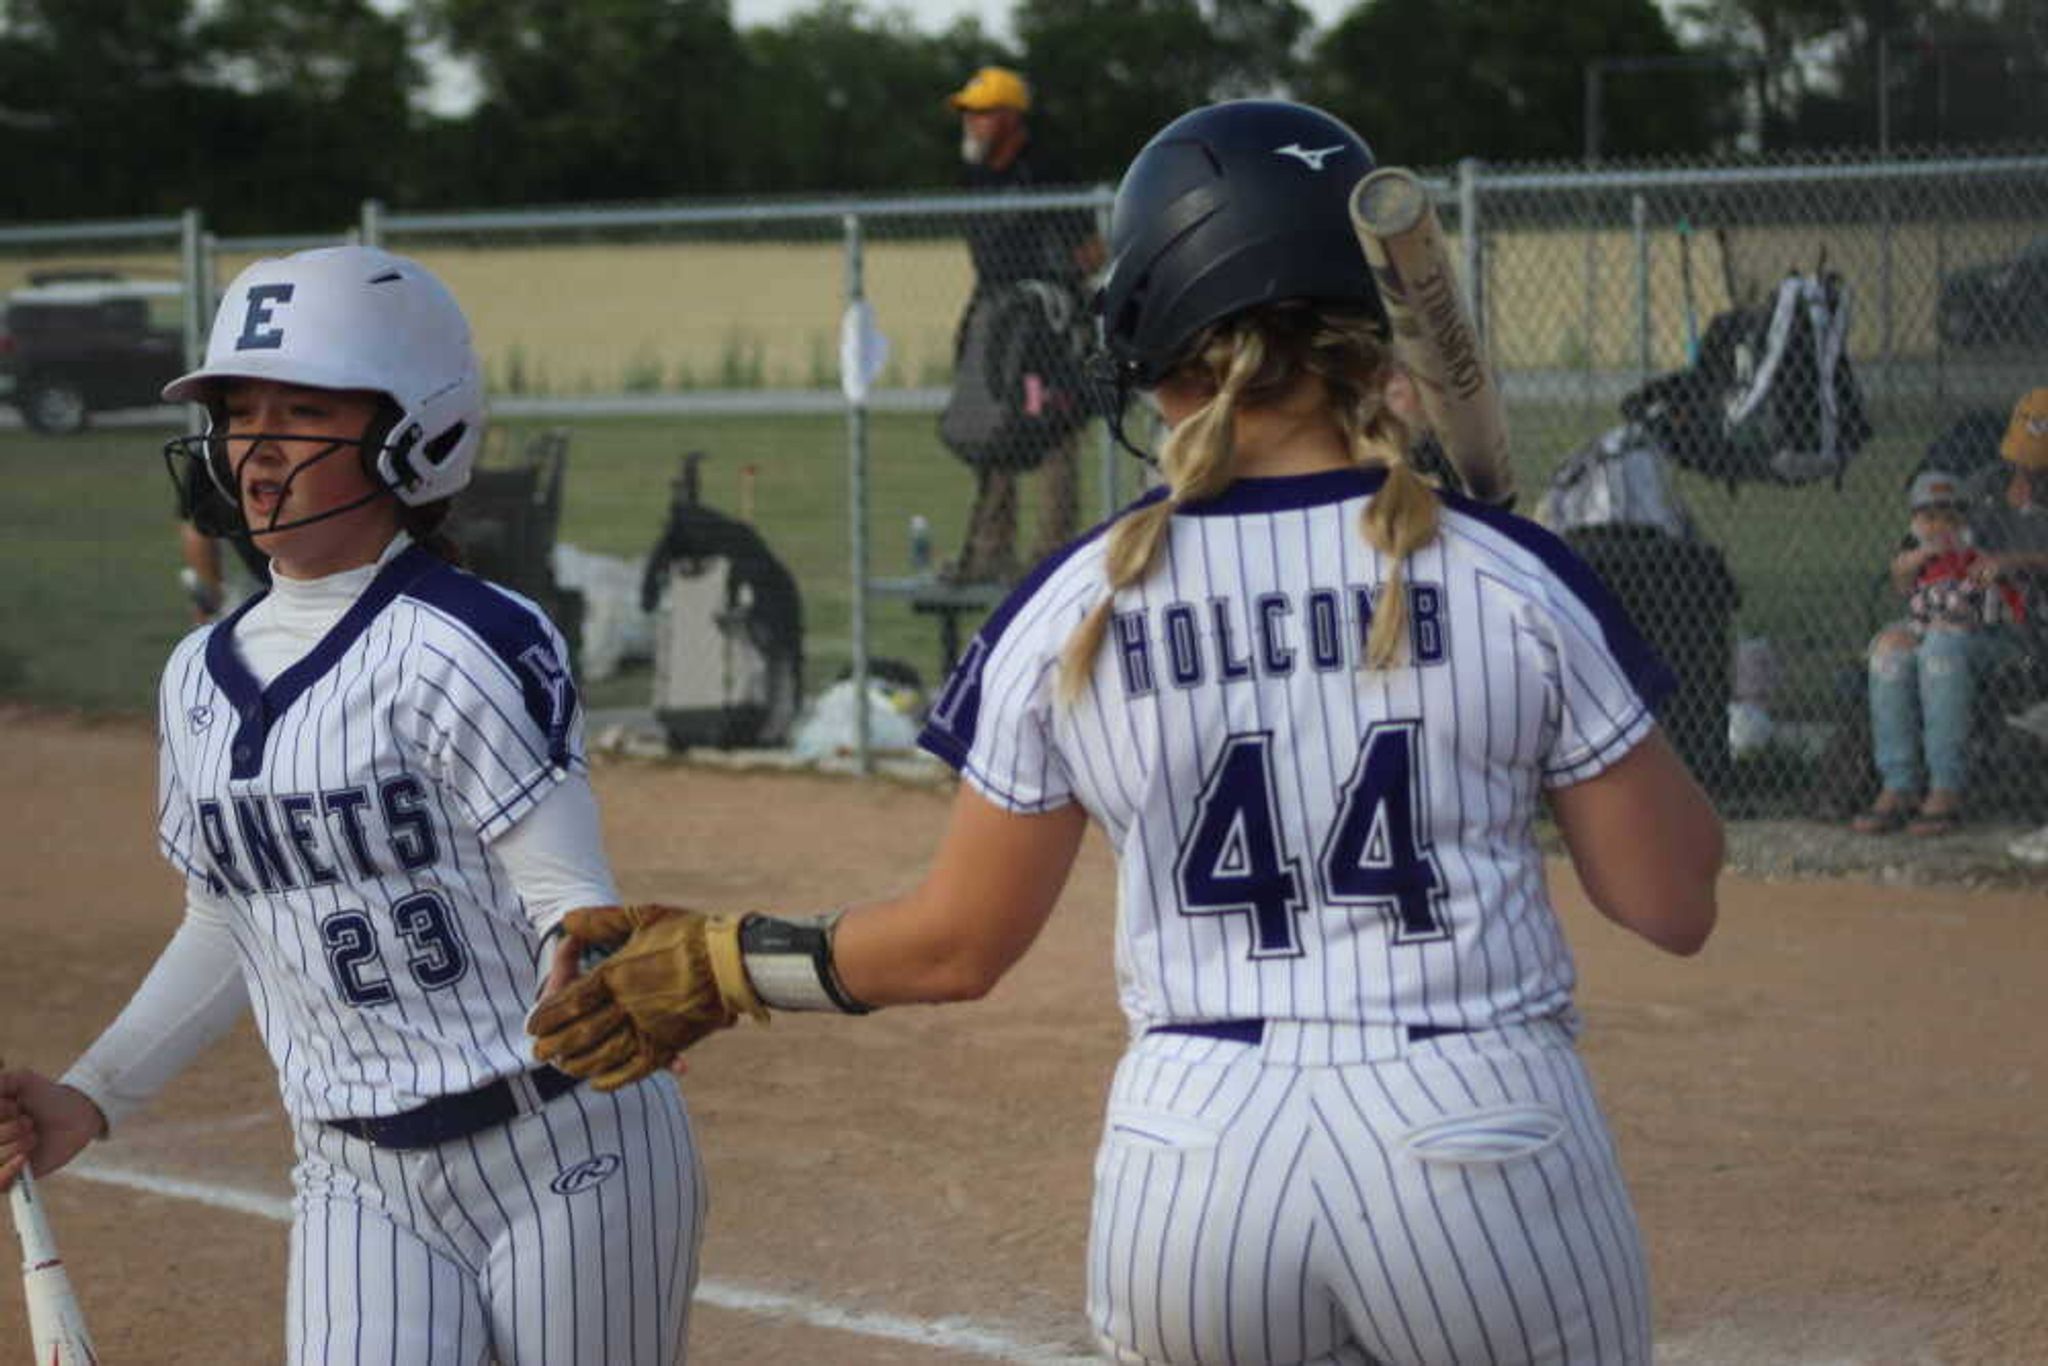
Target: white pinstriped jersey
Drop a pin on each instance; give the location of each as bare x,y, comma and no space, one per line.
1299,838
345,813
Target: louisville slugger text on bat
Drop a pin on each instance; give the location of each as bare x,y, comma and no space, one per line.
1432,328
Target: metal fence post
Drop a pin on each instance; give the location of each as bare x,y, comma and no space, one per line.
371,228
1885,302
1940,343
1639,223
1589,307
191,253
1110,452
857,503
195,264
209,265
206,287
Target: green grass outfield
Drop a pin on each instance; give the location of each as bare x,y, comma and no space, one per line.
89,603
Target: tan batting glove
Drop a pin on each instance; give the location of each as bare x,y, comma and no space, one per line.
675,977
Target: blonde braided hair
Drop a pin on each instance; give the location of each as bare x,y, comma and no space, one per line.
1251,361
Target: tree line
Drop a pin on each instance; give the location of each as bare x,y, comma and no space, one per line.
283,115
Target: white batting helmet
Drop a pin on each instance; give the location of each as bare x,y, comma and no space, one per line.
357,317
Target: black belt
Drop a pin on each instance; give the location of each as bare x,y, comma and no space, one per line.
1254,1031
451,1117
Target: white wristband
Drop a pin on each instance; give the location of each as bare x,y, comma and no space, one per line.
790,964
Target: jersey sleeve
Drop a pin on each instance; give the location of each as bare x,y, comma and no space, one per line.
177,829
992,721
494,706
556,855
1606,679
192,996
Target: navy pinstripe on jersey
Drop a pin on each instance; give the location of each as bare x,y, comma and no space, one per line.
1299,838
1314,859
345,813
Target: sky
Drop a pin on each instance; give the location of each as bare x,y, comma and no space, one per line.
452,91
935,15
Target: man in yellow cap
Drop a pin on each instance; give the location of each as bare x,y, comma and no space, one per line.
2026,440
2014,532
992,106
1017,408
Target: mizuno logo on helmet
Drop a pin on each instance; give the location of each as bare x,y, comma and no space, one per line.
1312,158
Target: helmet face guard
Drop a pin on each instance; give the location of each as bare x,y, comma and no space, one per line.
207,457
345,318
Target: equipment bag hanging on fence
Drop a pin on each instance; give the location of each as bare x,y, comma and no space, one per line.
1617,479
1018,381
1773,397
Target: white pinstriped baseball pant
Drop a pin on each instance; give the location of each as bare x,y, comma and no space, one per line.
1450,1201
565,1236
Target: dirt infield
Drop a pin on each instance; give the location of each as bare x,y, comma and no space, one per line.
1835,1121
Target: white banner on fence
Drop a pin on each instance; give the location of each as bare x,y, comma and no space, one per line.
863,350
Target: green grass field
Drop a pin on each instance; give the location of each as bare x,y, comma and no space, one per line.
89,604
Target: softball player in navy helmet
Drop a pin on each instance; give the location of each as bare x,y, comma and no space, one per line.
372,780
1315,706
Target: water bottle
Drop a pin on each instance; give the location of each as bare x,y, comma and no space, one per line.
920,545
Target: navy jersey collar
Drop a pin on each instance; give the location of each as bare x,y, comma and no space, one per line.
1288,493
256,707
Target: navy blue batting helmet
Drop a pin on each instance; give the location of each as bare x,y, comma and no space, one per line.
1228,207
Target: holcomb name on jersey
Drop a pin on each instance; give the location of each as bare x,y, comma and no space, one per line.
1218,641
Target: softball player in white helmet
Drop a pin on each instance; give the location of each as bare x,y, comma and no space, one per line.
1316,707
373,781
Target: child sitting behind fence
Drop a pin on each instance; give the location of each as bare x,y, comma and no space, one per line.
1934,566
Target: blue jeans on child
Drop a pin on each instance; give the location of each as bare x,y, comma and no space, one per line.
1922,701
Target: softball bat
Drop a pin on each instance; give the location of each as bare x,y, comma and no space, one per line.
1433,335
55,1321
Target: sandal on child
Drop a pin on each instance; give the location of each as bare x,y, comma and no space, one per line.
1882,817
1932,823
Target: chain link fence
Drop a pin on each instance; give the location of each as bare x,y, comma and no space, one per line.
1635,318
822,358
890,391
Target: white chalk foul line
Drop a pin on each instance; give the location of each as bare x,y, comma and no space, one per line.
951,1334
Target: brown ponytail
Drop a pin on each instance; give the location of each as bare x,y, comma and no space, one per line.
425,525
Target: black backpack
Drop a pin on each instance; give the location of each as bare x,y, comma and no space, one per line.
1772,398
739,635
1020,385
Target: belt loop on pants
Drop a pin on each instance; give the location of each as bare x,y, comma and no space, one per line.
1255,1032
450,1117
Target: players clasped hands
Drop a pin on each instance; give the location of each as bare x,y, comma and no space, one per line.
1317,704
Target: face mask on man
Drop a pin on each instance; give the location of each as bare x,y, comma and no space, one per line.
973,149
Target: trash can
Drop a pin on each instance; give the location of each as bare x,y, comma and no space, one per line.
1682,598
